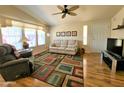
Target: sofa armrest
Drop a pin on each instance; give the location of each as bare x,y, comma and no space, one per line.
50,46
76,48
14,62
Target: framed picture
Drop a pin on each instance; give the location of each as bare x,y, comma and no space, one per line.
74,33
57,34
62,33
68,33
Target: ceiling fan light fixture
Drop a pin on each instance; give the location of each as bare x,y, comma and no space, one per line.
65,10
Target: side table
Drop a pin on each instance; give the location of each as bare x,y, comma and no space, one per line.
82,51
25,53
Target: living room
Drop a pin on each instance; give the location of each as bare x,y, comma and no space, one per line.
64,50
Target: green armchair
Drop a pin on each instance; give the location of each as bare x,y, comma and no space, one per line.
12,68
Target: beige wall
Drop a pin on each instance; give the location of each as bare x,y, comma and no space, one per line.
78,26
116,20
14,13
71,26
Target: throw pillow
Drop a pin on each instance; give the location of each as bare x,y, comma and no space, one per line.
16,53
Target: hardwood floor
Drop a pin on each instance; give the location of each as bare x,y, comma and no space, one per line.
31,82
96,74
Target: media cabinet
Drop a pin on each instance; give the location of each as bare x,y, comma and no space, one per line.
114,62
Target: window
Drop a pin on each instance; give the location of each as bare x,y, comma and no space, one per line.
85,29
41,37
30,34
12,35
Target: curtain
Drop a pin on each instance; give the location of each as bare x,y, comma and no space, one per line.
12,35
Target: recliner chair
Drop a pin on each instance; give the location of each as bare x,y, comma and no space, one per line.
12,68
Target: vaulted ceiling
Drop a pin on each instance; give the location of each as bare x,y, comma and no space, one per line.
85,13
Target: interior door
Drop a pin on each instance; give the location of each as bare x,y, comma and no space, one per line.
100,33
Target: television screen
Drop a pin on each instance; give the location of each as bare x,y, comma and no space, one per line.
115,45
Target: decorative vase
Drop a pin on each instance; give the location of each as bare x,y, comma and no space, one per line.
25,45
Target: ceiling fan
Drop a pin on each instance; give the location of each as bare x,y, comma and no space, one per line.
65,10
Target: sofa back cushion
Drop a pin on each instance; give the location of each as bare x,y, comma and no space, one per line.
9,48
53,45
6,53
57,43
64,43
72,43
3,50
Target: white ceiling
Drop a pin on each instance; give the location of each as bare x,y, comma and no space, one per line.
85,13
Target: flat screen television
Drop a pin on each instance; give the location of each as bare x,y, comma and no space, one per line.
115,46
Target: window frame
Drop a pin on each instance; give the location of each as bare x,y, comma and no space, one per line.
13,28
85,34
31,36
23,27
39,44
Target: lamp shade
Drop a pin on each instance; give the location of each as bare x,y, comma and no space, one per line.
48,34
24,39
25,44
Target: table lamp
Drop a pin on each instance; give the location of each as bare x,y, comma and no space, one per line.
25,44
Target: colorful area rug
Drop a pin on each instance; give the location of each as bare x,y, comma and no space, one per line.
59,70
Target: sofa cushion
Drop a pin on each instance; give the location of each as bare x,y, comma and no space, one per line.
72,43
70,49
53,47
64,43
61,48
57,43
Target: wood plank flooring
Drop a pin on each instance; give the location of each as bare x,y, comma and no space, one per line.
96,74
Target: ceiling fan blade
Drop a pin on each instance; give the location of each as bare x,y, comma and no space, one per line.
72,14
57,13
63,16
73,8
60,7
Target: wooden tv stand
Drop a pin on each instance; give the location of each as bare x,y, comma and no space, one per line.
115,63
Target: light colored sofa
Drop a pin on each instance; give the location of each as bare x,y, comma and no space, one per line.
64,46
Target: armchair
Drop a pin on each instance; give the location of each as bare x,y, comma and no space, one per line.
12,68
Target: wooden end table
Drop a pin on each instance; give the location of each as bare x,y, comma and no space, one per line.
82,51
